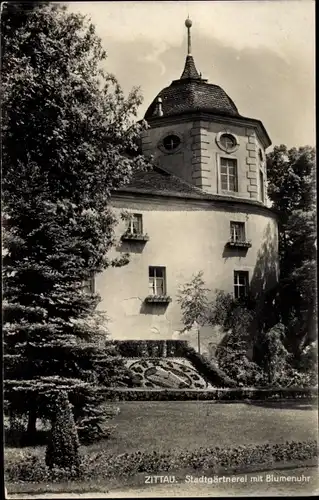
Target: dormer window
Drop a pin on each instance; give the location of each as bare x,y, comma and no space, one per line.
171,142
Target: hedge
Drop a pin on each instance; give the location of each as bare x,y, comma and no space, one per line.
151,348
215,460
219,395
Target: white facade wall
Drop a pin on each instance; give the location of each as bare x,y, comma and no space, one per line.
185,236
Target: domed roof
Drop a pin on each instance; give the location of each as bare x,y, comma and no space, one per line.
191,93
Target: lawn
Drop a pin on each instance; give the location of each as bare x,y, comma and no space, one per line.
190,425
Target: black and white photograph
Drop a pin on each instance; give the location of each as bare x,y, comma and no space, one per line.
159,249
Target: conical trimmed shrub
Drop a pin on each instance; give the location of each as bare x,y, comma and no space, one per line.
63,447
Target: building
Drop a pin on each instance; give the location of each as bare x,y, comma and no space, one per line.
202,207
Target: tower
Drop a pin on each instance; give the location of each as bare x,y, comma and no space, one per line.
197,133
201,208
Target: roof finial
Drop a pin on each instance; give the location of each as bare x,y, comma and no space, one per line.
190,71
188,24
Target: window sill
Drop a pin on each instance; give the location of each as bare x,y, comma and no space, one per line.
158,299
238,244
230,192
135,237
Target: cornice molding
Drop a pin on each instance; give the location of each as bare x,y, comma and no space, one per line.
205,116
221,202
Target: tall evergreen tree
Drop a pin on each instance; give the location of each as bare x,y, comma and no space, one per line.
67,130
292,187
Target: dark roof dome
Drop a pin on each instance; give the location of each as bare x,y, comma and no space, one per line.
191,93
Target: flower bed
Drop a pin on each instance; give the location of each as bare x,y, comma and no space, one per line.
167,373
31,468
176,348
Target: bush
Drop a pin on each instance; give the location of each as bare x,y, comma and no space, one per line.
63,447
236,363
26,467
211,372
216,460
213,459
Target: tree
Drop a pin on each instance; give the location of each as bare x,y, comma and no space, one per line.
236,317
192,297
67,131
291,188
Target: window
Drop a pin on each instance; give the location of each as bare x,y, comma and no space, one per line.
157,280
171,142
237,232
228,142
134,229
261,155
89,285
135,224
228,174
261,186
241,284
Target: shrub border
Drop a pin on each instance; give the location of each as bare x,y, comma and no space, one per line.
215,460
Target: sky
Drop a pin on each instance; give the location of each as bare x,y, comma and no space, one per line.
260,52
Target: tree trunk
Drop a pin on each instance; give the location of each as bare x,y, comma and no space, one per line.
32,423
